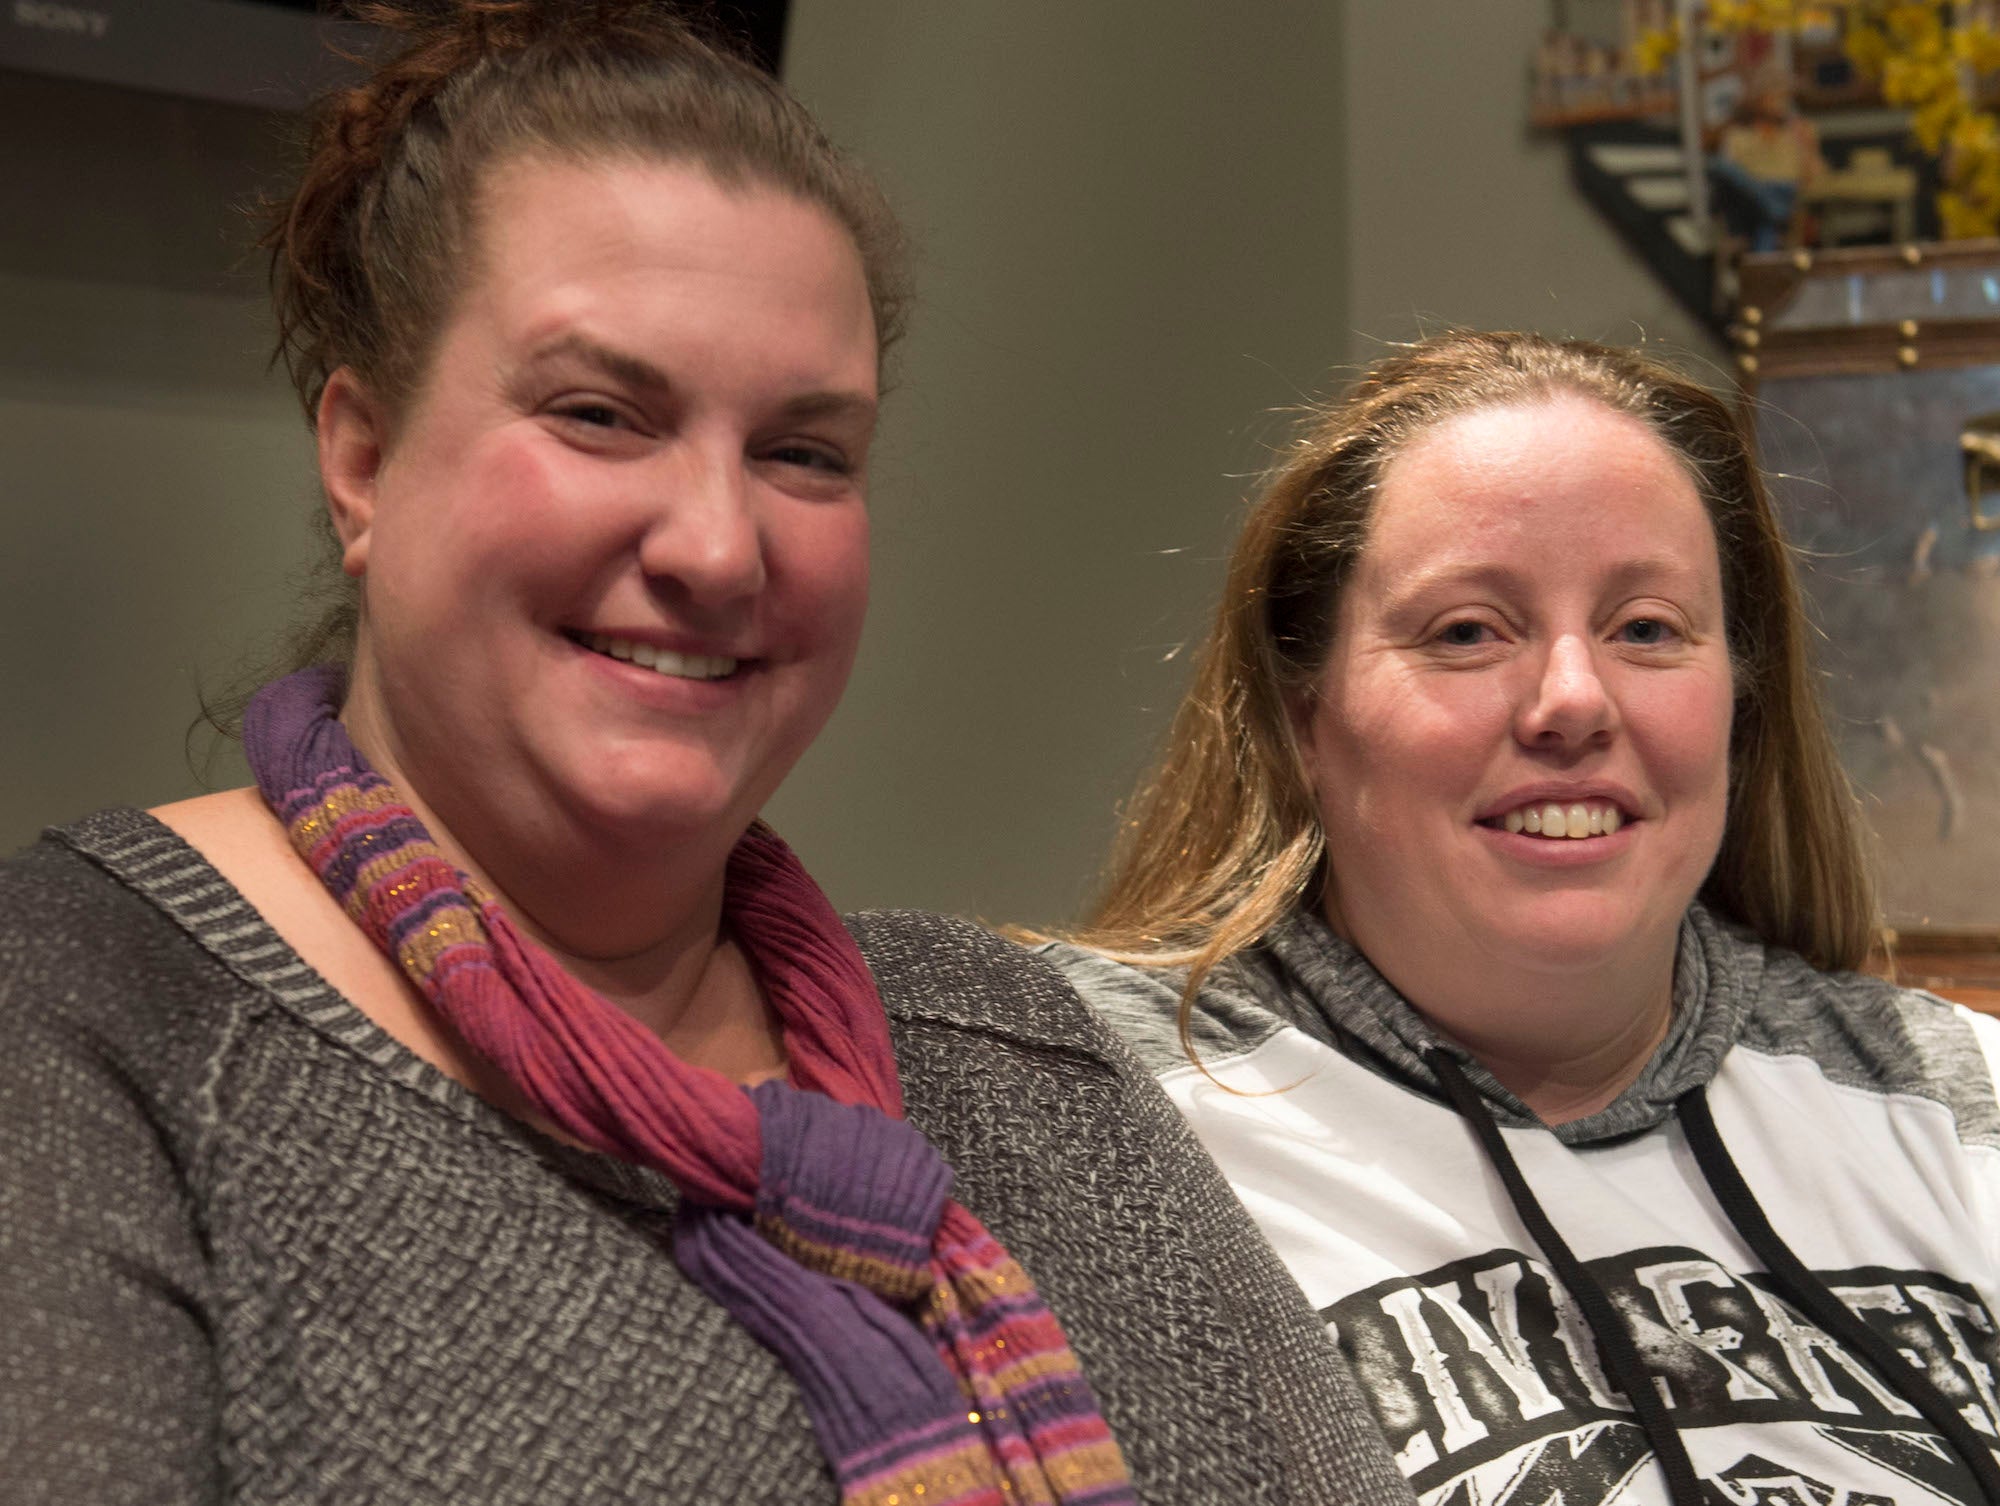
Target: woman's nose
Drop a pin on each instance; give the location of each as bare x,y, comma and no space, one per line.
1568,703
704,540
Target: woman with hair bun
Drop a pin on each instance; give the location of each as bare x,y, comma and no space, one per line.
1492,916
485,1107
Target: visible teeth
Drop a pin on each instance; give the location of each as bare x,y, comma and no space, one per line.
1575,821
662,661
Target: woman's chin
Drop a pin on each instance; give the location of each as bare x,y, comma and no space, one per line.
1572,935
649,818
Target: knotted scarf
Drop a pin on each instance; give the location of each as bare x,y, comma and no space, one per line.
932,1370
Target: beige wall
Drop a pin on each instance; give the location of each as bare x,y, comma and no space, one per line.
1142,228
1130,250
156,474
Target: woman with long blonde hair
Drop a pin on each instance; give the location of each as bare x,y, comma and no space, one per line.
1491,915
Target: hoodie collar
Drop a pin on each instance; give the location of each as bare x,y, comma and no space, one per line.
1333,991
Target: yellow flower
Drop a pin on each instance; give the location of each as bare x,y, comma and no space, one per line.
1868,48
1759,15
1962,219
1655,49
1976,46
1929,126
1975,136
1916,27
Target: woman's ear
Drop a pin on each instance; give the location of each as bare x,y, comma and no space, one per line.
352,437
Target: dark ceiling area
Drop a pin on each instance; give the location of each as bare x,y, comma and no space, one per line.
757,27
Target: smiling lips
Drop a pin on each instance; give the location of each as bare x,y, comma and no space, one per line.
662,661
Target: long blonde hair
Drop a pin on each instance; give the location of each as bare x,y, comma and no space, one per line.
1223,837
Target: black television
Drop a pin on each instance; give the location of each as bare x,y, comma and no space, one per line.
271,54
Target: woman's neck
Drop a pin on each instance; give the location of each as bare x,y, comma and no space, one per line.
1572,1081
646,934
1565,1043
237,833
637,918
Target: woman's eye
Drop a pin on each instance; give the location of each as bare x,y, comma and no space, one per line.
1465,634
1646,631
811,457
596,415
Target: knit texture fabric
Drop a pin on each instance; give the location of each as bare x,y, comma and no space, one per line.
854,1233
254,1250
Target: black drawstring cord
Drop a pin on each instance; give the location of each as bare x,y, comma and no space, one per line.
1788,1273
1812,1297
1614,1339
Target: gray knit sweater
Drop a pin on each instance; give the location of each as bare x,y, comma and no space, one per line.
252,1249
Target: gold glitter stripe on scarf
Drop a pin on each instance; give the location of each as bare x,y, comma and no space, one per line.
888,1280
336,806
941,1479
370,876
451,925
1003,1278
1056,1364
1089,1467
1006,1369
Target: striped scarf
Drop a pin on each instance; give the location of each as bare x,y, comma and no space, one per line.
932,1370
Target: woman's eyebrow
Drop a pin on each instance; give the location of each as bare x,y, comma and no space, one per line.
1478,572
623,367
1407,587
811,406
642,375
1654,567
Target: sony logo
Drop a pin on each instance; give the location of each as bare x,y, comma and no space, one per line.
71,20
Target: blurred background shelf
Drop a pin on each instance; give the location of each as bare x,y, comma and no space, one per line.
1963,966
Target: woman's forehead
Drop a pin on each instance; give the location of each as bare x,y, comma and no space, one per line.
668,267
1509,456
1522,481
